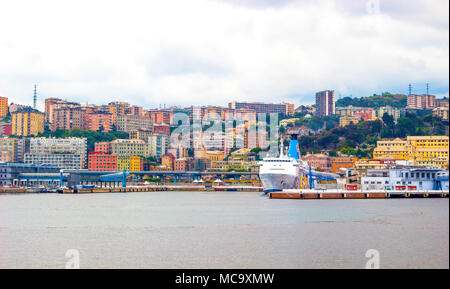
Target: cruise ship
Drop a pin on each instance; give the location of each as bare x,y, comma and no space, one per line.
277,174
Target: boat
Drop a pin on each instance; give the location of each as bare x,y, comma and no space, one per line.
283,172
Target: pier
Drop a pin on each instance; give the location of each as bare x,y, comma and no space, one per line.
337,194
151,188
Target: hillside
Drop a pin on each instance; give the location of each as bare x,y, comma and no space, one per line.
375,101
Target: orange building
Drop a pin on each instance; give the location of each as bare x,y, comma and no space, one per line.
161,129
182,165
104,147
99,121
168,161
342,162
160,116
3,107
99,161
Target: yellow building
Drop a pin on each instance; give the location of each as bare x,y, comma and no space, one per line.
210,155
130,163
3,107
130,147
233,165
346,120
422,150
392,149
29,122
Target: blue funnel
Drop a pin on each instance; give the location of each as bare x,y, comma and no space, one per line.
293,150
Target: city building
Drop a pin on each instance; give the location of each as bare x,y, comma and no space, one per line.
161,129
129,123
16,147
10,172
5,156
442,102
3,107
62,161
441,112
338,163
325,103
104,147
160,116
422,150
65,153
54,103
130,163
346,120
159,144
140,134
402,178
100,161
130,147
362,165
5,129
258,107
98,121
364,113
320,162
421,101
27,122
68,118
183,165
394,112
168,161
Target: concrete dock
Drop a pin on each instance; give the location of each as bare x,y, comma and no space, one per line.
159,188
337,194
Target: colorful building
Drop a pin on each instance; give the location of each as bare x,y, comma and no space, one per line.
130,163
141,134
421,150
104,147
318,161
16,147
342,162
99,161
65,153
130,147
168,161
68,118
422,101
346,120
325,103
98,121
441,112
27,122
159,143
3,107
129,123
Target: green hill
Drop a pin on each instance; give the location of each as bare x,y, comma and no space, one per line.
375,101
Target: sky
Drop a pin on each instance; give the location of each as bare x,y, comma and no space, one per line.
200,52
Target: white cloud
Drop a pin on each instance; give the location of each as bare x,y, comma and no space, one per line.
212,52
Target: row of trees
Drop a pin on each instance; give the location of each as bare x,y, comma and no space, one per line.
91,136
375,101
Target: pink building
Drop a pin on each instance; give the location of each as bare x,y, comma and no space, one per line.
321,161
104,147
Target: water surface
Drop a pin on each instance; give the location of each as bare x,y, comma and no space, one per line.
220,230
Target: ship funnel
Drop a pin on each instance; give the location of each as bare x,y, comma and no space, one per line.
293,149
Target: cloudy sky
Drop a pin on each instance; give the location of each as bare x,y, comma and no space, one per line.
179,52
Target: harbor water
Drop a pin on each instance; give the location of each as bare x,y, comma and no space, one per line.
220,230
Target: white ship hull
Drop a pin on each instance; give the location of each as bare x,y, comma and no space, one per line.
279,181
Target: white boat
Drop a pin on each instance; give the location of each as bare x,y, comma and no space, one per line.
277,174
